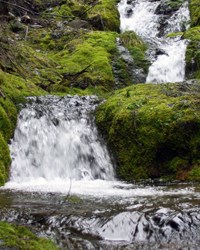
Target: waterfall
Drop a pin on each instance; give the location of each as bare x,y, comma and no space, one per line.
147,19
56,140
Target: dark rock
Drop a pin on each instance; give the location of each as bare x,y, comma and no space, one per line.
96,22
129,11
79,24
129,2
159,52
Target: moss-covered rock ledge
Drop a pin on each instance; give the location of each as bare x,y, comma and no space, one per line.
193,35
18,237
154,131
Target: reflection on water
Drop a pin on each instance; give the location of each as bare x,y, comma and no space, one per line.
167,221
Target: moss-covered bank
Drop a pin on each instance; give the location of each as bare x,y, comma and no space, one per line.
13,89
63,47
70,47
154,131
18,237
193,35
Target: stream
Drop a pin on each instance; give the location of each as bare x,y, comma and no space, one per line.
63,186
153,23
62,181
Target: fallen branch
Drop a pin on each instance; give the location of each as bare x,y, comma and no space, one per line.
58,208
77,74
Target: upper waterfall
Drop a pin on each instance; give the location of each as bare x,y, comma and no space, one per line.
167,55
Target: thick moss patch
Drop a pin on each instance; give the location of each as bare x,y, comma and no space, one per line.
105,16
92,54
4,160
18,237
195,12
154,130
13,89
193,52
193,35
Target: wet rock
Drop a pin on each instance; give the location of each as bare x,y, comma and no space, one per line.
79,24
129,2
159,52
166,8
129,12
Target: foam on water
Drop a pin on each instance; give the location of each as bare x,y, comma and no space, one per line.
96,188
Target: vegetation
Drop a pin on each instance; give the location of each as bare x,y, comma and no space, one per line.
137,49
153,130
18,237
71,48
193,34
195,12
193,53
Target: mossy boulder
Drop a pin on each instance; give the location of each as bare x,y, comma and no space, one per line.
19,237
153,130
87,61
105,15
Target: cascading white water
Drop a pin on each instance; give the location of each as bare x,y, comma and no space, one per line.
169,67
56,145
56,140
142,19
140,16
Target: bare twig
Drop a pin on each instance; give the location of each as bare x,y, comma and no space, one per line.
60,205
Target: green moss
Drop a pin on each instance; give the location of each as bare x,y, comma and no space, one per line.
175,4
18,237
14,89
105,16
194,174
4,160
5,126
92,52
193,53
175,34
150,128
70,10
193,34
195,12
63,10
137,49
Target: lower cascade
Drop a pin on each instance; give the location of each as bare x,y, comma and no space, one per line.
56,140
63,184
